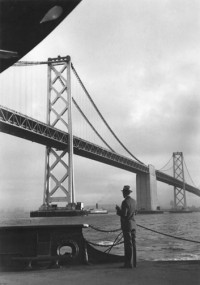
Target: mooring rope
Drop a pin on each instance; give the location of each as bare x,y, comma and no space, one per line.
116,242
172,236
154,231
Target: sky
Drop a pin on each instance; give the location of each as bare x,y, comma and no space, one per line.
140,62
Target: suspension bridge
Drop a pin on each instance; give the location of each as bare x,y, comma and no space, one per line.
58,135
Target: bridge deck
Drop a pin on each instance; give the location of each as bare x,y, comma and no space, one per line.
14,123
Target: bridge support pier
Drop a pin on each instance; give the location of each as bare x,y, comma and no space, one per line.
146,190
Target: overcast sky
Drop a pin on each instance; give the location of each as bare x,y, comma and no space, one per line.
140,62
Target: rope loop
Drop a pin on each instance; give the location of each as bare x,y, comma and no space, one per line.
104,245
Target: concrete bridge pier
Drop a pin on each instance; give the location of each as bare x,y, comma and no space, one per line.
146,192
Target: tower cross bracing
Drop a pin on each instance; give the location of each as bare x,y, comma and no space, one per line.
179,192
59,188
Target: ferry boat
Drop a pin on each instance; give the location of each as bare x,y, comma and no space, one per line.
97,210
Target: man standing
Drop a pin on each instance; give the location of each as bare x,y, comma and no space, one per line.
128,226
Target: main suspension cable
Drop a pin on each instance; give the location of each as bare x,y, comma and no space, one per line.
101,116
165,170
189,173
28,63
165,164
84,116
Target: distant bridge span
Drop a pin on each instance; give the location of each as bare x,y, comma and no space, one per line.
17,124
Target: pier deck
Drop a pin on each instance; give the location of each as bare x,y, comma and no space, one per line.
151,273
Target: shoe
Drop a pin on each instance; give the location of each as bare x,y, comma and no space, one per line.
126,266
129,266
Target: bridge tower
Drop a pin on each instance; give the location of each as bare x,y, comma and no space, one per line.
179,193
59,166
146,190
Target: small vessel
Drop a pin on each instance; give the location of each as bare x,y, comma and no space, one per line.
97,210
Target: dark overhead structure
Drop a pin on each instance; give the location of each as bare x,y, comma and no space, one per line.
25,23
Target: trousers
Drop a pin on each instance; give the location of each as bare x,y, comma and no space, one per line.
129,248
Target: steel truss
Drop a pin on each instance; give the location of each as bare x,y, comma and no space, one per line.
17,124
179,192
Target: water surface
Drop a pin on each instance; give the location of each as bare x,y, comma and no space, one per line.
150,246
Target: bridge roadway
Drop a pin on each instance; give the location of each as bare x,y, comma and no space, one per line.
19,125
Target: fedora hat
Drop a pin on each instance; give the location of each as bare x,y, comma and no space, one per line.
126,189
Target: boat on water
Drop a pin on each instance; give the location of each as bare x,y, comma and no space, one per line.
55,211
97,210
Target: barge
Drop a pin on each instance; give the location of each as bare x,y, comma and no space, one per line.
35,246
54,211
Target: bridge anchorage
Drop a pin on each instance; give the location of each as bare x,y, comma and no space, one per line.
59,112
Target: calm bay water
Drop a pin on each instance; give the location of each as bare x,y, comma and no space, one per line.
150,246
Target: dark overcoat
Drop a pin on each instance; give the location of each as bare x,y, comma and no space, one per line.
127,214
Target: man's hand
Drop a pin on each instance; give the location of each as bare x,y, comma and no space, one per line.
117,208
